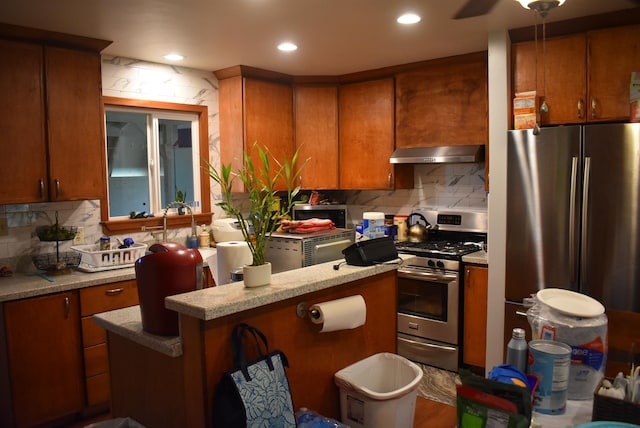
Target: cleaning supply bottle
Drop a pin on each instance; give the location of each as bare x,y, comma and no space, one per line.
204,238
517,350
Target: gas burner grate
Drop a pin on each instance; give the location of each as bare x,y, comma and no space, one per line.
435,248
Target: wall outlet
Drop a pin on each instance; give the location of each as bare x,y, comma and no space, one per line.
4,227
79,238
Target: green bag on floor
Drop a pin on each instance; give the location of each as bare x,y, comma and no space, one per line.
483,402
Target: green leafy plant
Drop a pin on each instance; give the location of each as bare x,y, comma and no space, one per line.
266,208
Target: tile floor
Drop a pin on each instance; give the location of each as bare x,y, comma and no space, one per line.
439,385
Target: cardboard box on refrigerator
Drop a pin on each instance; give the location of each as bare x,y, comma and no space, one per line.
525,103
524,110
524,121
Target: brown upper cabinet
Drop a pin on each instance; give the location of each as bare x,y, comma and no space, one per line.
51,117
612,55
316,134
586,75
350,125
366,134
444,102
254,111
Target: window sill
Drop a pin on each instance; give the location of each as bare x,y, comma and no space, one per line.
153,224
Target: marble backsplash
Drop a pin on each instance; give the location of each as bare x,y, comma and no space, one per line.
457,186
453,186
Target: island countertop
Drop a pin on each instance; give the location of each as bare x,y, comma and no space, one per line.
216,302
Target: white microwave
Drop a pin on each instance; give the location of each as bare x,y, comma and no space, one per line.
336,213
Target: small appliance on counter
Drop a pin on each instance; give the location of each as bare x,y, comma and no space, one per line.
226,229
168,268
288,251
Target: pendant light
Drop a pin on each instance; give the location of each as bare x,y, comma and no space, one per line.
542,8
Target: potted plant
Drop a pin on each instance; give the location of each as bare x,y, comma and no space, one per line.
266,208
180,198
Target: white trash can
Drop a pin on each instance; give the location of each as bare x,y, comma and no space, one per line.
379,392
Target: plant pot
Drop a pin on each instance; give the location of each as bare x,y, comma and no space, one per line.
256,276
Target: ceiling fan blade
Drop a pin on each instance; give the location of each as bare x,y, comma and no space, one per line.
475,8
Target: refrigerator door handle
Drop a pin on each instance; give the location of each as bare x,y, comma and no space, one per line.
572,220
585,206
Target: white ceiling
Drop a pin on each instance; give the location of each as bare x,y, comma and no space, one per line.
334,36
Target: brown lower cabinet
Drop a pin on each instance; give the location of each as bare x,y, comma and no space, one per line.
94,300
476,281
53,357
42,360
161,391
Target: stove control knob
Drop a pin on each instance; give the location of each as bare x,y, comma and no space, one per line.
431,263
440,264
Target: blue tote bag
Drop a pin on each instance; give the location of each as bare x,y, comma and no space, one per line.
254,394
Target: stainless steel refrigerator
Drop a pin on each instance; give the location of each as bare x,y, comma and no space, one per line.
573,214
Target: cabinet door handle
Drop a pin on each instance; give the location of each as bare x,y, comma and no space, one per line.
593,108
300,180
57,186
67,307
467,272
580,108
41,188
114,291
389,181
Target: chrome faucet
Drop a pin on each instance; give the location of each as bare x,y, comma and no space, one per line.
164,218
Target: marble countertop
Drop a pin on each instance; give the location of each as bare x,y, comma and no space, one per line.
479,257
127,322
217,302
23,285
31,284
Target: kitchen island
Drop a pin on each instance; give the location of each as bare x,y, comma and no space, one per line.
170,381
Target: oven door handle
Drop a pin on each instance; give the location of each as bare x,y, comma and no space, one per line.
428,345
427,276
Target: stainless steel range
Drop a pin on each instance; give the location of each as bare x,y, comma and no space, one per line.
429,287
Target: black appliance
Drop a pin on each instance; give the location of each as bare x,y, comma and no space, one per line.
335,213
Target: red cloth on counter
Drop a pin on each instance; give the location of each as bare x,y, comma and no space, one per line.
306,226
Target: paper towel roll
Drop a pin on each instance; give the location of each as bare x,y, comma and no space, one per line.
349,312
231,255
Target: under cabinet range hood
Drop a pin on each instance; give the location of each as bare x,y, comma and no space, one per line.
439,154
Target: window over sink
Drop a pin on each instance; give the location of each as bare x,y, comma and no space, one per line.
154,154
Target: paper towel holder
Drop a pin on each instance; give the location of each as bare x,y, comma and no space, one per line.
302,311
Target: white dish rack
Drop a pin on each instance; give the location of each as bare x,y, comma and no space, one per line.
96,260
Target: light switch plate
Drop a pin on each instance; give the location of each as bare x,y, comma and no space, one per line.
79,238
4,227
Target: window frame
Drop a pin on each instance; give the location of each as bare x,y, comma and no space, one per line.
174,221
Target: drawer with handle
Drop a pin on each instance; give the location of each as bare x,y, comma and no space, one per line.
108,297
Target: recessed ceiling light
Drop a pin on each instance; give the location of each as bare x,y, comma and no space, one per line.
408,18
287,47
173,57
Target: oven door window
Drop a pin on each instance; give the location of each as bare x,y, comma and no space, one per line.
423,298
